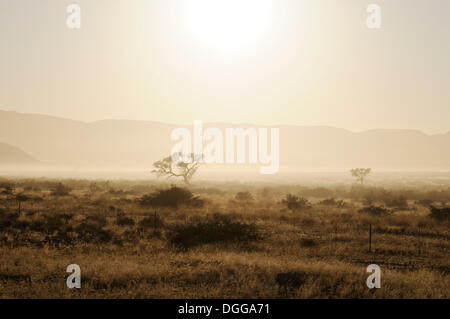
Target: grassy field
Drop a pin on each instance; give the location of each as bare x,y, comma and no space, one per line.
135,239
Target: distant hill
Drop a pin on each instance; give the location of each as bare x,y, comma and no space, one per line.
12,155
112,143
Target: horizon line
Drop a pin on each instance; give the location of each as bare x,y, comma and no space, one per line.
233,123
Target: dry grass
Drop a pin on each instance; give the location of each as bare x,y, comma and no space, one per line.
125,252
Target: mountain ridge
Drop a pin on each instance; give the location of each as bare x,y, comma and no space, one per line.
132,143
10,154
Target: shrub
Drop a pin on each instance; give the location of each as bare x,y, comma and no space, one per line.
100,220
60,190
333,202
21,198
90,232
375,210
21,225
291,279
307,222
295,203
218,230
63,236
7,220
53,223
440,214
37,226
173,197
308,242
244,196
8,189
123,220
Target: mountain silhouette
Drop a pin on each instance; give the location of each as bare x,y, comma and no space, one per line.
13,155
125,143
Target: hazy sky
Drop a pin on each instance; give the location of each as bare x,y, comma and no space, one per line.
304,62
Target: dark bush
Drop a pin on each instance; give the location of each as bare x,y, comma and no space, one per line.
60,190
49,223
4,224
20,225
295,203
37,199
333,202
37,226
62,236
8,220
308,222
218,230
308,242
97,219
22,198
7,189
93,233
375,210
173,197
291,279
53,223
118,192
123,220
440,214
244,196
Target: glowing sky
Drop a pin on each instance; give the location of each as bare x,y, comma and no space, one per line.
311,62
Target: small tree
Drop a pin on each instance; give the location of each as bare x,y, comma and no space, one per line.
177,166
360,174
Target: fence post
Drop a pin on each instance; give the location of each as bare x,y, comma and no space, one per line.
370,237
155,220
420,242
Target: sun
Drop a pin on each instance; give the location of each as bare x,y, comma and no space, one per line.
227,25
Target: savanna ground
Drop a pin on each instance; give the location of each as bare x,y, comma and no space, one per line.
135,239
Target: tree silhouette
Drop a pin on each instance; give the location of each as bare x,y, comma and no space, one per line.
360,174
20,199
176,166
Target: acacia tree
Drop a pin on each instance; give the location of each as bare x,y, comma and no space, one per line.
178,165
360,174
